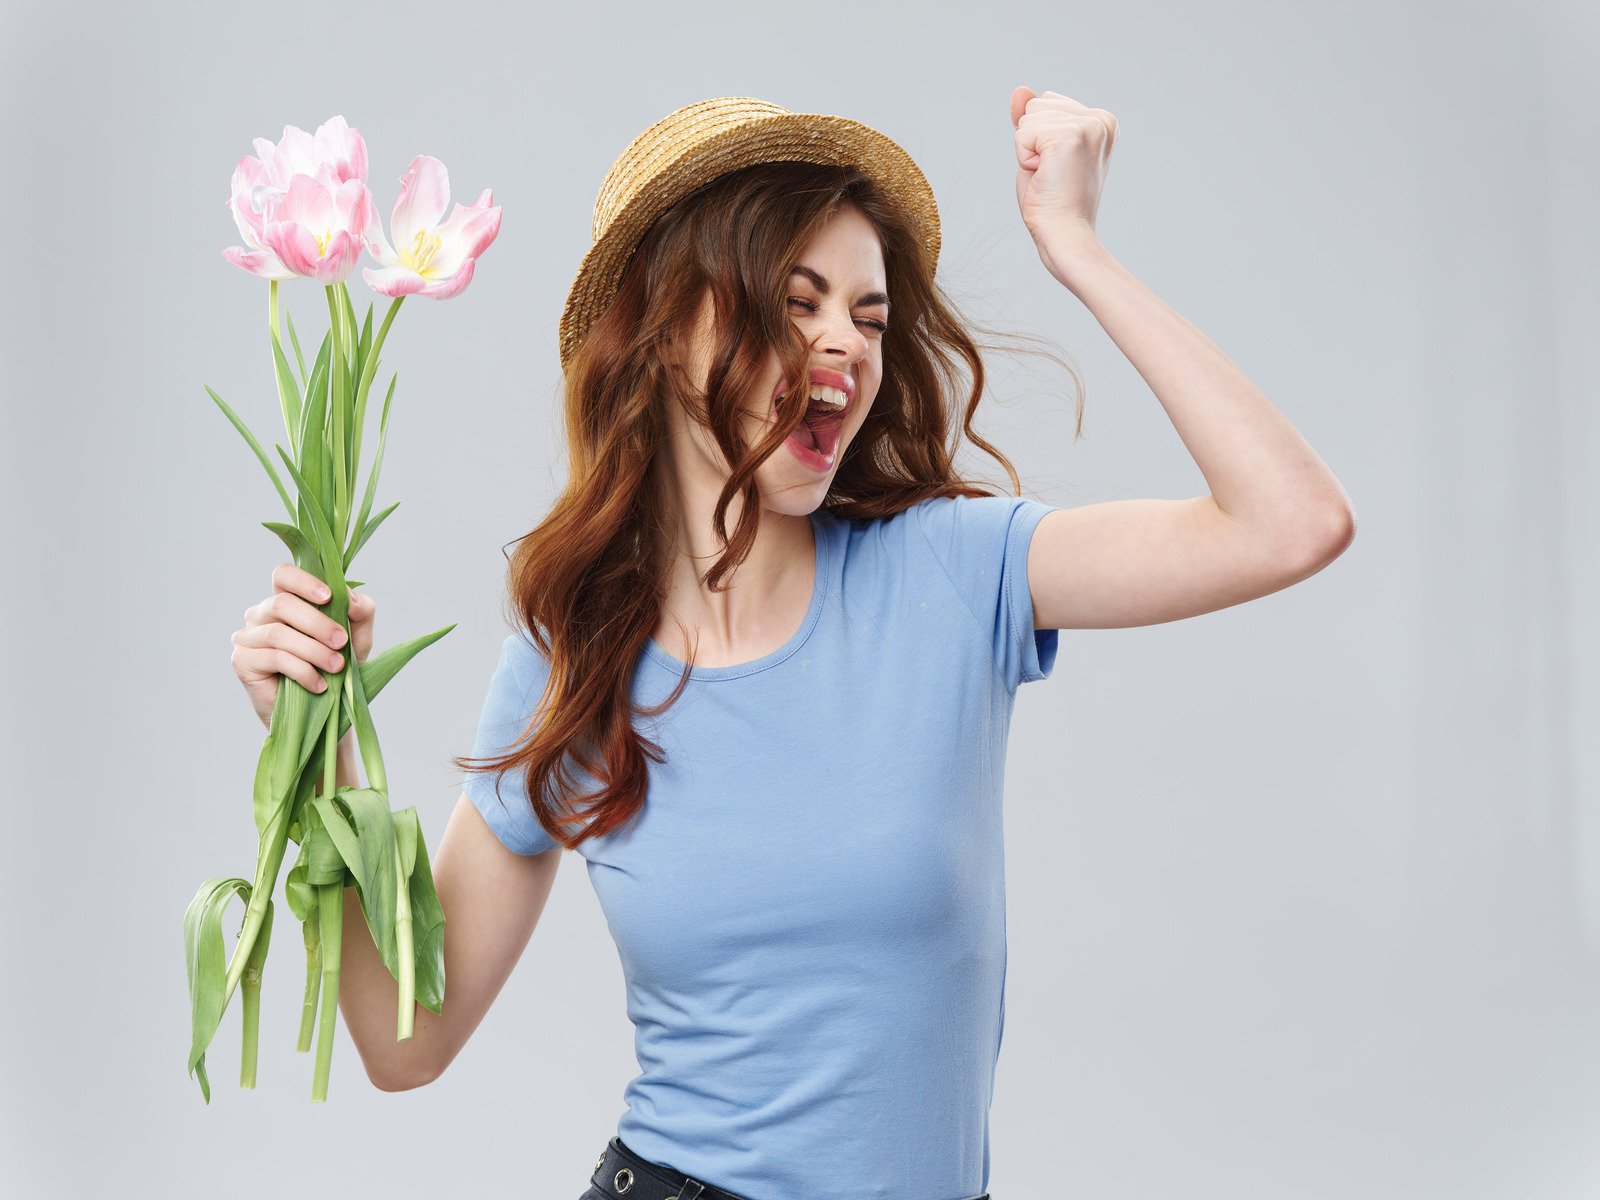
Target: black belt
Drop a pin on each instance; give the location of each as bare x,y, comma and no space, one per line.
621,1173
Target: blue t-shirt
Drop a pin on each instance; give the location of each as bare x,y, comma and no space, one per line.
810,909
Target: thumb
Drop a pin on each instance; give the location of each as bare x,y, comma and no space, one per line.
1019,103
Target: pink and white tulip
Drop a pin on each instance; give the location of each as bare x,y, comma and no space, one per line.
434,258
316,227
260,181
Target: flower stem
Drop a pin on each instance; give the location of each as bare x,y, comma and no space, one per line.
308,1002
330,916
405,951
250,1002
268,860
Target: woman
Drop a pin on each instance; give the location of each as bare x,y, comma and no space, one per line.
764,561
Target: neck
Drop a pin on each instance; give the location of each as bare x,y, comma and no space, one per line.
763,599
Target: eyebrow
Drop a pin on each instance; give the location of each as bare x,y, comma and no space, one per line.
822,286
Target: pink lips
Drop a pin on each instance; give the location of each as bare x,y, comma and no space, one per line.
826,378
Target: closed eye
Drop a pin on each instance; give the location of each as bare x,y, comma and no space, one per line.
880,326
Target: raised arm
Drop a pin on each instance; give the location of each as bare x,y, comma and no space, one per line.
1275,513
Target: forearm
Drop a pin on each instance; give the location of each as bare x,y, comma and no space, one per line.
369,996
1259,469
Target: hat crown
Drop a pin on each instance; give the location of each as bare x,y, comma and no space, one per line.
699,142
650,154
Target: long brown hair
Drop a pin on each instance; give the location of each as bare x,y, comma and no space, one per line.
588,582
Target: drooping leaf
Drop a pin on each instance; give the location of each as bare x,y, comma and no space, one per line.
358,822
319,863
207,966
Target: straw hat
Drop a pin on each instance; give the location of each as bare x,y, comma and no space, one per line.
699,142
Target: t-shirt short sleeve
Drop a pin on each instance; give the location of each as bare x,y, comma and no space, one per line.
514,688
982,544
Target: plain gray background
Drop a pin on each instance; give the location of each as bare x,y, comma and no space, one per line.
1304,896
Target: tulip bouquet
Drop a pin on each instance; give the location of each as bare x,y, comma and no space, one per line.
303,209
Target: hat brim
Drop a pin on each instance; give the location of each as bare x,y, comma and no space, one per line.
784,137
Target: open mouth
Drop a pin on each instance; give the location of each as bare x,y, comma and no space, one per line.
819,429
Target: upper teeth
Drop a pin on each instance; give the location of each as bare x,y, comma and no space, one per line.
831,396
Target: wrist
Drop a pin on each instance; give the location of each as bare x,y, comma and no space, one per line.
1068,253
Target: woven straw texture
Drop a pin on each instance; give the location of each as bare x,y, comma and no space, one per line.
702,141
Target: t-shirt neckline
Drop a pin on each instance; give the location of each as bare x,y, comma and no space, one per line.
823,574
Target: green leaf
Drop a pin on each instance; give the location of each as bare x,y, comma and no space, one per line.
310,452
207,966
363,349
380,668
332,572
365,840
317,387
244,431
292,538
377,460
367,530
319,864
287,387
285,776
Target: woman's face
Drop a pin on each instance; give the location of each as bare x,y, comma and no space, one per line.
836,297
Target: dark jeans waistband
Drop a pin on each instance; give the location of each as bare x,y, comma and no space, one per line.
625,1175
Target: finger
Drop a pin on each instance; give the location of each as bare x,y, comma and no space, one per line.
1027,155
263,662
287,577
1019,103
279,636
290,610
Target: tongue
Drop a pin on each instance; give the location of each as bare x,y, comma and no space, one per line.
815,444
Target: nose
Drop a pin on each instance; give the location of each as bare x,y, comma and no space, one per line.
838,335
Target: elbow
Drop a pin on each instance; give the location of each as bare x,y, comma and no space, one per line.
404,1075
1338,530
1312,543
400,1083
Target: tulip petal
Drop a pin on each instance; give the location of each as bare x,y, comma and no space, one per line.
398,280
258,262
467,234
424,193
372,233
443,289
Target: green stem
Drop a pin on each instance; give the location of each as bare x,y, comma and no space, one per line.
250,1002
267,864
370,367
405,951
338,414
330,915
330,918
308,1002
272,325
